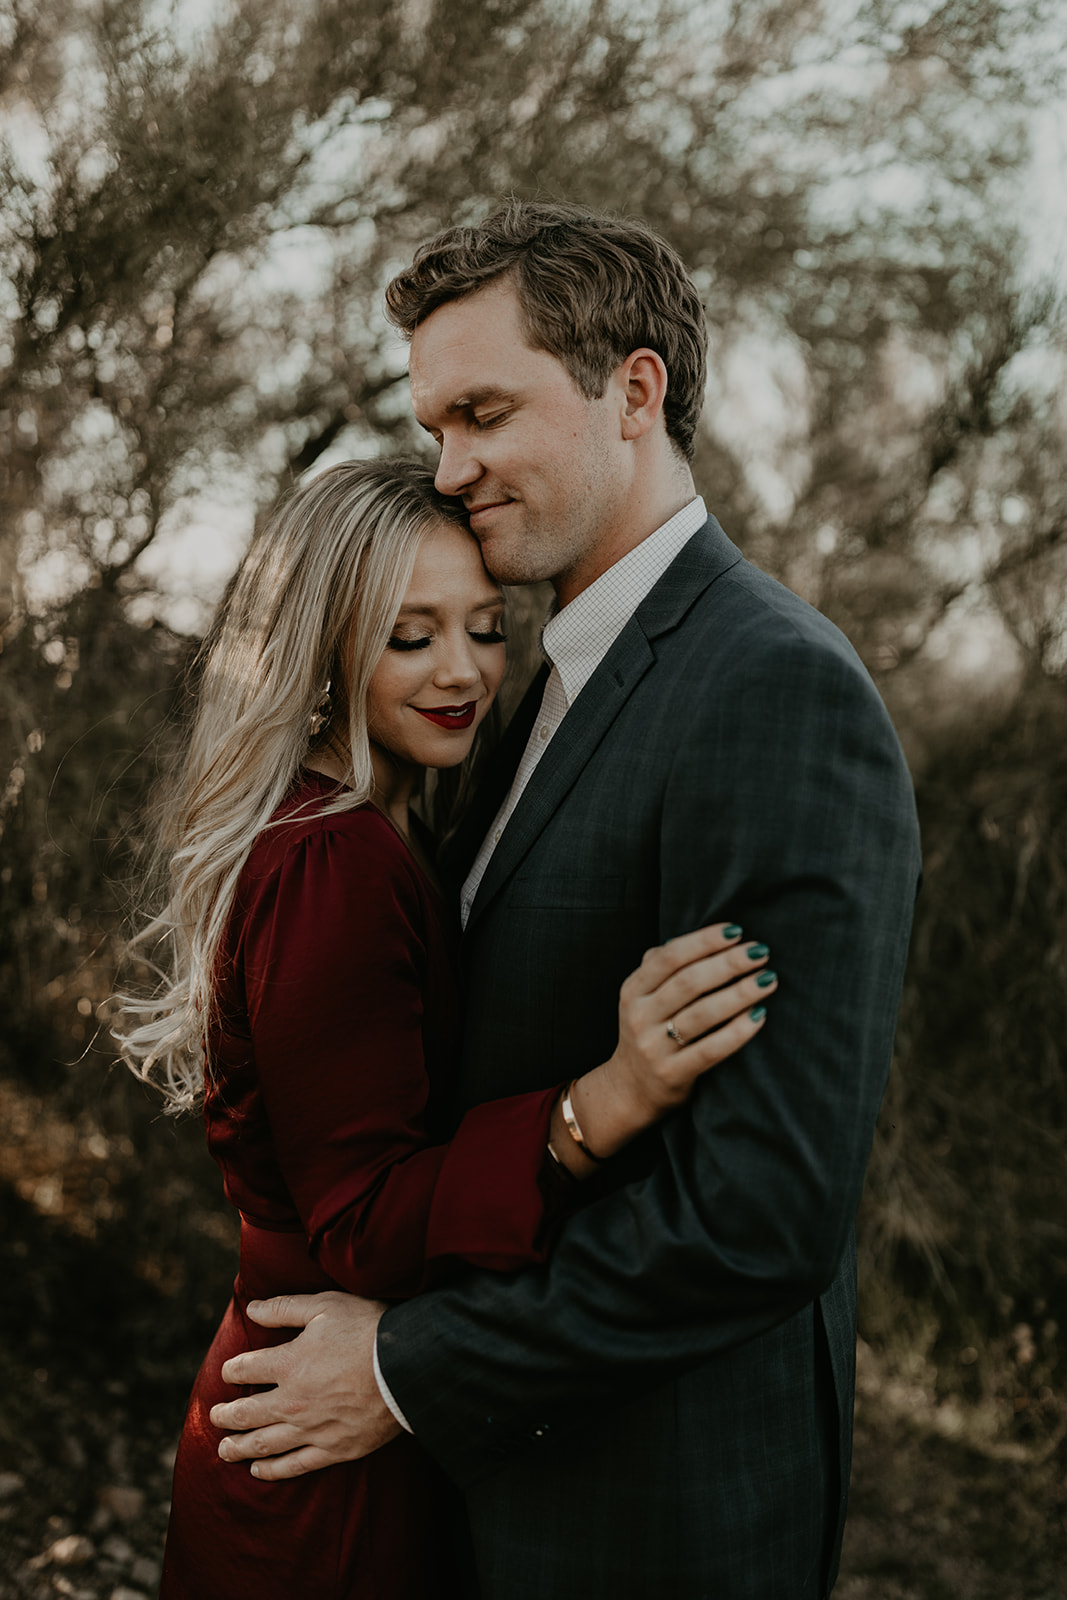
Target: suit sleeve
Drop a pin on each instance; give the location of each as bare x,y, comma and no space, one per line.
334,954
808,834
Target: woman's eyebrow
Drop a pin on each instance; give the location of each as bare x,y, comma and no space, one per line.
488,602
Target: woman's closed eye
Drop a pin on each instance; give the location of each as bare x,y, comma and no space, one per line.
424,640
420,643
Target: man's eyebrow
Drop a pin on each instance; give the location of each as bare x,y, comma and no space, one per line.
480,397
489,394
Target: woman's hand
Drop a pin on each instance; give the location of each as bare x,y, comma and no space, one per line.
691,1003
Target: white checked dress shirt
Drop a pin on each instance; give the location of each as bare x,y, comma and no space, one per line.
576,640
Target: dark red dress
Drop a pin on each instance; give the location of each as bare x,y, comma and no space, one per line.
327,1111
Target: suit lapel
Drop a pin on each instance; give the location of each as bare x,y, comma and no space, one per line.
704,559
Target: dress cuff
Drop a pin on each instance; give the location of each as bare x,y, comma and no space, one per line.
387,1394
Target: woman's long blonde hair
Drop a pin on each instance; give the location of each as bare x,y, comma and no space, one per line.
313,602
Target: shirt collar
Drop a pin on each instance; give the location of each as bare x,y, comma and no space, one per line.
577,638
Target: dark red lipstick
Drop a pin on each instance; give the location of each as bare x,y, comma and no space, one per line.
449,716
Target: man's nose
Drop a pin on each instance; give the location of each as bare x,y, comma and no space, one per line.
458,468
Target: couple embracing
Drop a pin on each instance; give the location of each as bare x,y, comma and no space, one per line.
563,1207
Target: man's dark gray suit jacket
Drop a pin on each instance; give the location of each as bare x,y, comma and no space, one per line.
665,1408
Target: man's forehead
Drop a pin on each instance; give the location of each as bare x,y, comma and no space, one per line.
473,339
450,357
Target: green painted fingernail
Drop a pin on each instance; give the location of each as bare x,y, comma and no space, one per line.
731,931
758,952
765,980
758,1013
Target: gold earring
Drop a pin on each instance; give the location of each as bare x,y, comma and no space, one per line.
322,713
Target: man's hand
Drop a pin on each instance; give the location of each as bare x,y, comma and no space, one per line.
326,1407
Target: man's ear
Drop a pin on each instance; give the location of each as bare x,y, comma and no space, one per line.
642,380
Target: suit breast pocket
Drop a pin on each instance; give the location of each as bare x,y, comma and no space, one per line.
562,891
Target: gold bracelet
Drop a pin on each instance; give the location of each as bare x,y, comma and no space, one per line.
570,1122
560,1166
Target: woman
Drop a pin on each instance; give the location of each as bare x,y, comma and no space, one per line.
313,1004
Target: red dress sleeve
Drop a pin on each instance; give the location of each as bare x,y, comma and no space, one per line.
334,949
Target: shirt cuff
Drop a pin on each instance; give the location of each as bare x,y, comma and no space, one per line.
387,1394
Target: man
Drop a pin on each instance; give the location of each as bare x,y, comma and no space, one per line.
665,1408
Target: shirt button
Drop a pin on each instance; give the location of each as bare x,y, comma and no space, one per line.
496,836
545,730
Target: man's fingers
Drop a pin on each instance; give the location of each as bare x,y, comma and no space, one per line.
286,1310
295,1464
250,1411
271,1441
256,1366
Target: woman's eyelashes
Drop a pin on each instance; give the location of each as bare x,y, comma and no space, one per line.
423,641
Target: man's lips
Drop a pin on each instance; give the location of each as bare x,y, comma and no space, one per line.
487,506
449,716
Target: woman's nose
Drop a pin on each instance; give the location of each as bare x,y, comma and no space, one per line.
458,668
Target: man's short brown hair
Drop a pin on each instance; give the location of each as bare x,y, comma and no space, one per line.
592,289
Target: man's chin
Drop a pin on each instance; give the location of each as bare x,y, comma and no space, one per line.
508,558
513,566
